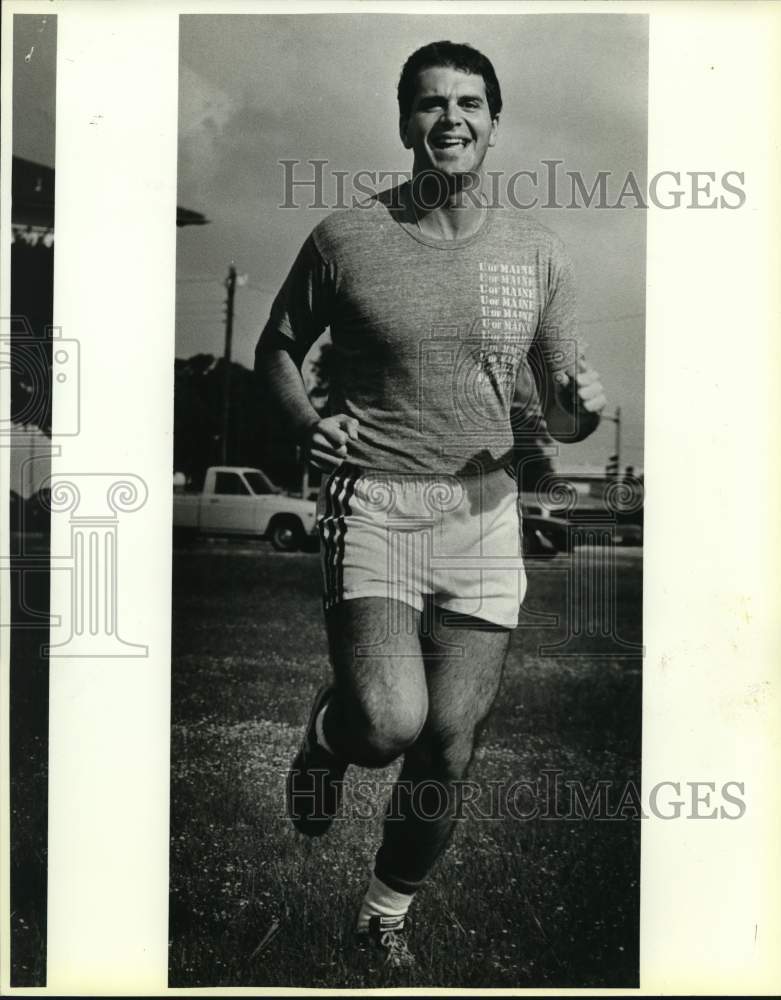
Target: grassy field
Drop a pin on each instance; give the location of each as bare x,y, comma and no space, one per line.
27,764
513,903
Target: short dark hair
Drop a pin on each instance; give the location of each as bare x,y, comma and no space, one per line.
457,56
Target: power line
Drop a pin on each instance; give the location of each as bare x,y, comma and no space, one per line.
611,319
201,313
215,321
192,280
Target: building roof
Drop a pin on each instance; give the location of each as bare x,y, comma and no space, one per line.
32,197
32,194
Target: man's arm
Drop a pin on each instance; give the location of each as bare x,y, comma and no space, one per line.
571,394
300,313
279,380
324,439
572,401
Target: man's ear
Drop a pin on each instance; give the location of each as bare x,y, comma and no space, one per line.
494,130
403,133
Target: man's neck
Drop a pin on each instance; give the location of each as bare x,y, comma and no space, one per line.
447,211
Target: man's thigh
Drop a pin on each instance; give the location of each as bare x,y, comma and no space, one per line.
464,662
376,656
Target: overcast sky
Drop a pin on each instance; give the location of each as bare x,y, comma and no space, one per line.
255,90
35,69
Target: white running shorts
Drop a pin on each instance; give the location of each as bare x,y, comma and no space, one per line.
405,536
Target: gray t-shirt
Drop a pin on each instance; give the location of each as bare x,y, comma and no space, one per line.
429,335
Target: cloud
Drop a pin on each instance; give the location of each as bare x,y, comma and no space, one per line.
204,110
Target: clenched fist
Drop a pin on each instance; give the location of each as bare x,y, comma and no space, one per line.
587,388
327,441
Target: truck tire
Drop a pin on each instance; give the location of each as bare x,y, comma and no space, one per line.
286,533
538,545
184,536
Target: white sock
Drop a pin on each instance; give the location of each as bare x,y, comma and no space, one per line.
320,732
381,901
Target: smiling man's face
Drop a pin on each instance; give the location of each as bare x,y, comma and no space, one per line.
449,128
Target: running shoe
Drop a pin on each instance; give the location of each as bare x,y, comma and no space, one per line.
315,779
387,934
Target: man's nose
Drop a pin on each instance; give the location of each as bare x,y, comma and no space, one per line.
451,113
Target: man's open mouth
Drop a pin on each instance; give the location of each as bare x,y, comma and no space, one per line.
450,142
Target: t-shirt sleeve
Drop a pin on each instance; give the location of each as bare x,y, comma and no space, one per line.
302,308
557,338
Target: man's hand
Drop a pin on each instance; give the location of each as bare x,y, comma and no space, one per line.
574,401
327,441
587,387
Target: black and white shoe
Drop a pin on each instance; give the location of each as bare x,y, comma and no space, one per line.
387,935
315,780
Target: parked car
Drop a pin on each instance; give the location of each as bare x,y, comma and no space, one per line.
579,498
243,502
544,536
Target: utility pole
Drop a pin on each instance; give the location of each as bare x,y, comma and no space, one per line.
230,284
617,420
613,467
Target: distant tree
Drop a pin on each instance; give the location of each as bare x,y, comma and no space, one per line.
32,269
253,438
321,375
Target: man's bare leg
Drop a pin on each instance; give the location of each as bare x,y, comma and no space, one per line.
464,664
380,699
373,711
398,689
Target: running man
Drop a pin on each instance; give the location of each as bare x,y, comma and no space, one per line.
436,305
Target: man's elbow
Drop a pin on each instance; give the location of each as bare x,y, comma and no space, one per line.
571,427
270,347
585,429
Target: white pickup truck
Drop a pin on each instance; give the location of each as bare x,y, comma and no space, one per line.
245,503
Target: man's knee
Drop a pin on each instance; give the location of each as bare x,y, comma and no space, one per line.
456,758
444,760
387,733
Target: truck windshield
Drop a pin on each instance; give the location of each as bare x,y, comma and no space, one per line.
258,483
